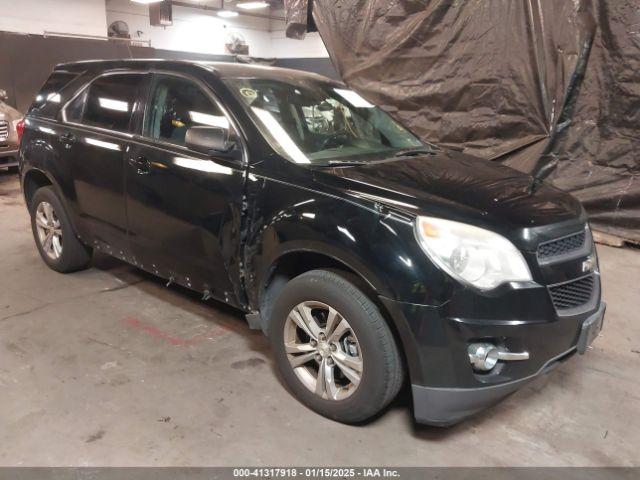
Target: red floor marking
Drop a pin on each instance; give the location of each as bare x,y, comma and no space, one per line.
215,332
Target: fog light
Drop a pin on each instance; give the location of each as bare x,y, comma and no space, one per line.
483,356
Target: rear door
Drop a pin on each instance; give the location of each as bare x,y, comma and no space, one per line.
95,137
185,208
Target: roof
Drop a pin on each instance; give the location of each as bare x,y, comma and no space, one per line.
222,69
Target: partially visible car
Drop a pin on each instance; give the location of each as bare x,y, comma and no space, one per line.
9,139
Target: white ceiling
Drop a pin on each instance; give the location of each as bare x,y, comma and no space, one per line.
275,9
275,4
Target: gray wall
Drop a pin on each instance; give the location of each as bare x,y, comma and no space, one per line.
323,66
27,60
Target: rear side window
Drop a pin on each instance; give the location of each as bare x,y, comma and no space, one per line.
50,91
176,105
108,102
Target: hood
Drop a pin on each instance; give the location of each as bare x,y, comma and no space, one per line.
456,186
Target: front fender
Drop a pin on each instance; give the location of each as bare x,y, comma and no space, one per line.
324,248
378,245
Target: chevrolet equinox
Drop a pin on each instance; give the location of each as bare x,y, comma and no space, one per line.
368,257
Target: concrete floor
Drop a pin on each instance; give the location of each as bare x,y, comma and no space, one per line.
109,367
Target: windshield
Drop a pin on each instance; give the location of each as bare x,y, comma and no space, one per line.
319,122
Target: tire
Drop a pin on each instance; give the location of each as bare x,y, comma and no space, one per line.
368,342
72,255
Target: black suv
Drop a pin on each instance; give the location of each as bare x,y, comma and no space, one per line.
366,255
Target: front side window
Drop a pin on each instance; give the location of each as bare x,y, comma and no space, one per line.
177,104
318,122
108,102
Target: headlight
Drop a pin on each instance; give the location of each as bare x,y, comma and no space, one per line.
471,254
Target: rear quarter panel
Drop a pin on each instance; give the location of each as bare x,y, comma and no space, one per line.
39,152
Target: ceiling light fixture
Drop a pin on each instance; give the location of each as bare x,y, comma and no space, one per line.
252,5
227,13
146,2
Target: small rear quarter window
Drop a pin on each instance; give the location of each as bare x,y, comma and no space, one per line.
50,91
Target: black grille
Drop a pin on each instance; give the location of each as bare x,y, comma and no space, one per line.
572,294
561,246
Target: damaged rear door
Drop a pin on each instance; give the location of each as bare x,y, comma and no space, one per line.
184,208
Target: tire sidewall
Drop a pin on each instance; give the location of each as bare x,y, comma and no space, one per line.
372,384
47,194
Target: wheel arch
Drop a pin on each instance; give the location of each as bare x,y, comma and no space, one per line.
293,262
33,180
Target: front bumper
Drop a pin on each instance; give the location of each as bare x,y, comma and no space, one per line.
445,388
443,407
8,155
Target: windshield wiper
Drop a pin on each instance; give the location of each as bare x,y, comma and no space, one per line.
410,152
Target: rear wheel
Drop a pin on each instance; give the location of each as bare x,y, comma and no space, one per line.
334,348
57,243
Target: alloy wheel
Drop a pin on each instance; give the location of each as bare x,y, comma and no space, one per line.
323,350
49,230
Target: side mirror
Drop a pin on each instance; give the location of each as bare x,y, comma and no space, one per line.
3,95
208,139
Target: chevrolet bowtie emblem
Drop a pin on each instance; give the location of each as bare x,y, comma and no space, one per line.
588,265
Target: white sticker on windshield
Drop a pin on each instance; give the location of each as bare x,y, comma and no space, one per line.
353,98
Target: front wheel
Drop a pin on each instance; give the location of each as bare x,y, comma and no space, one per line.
57,243
334,348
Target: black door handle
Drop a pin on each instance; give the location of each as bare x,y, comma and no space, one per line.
141,164
67,139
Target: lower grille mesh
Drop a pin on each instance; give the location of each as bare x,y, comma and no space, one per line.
572,294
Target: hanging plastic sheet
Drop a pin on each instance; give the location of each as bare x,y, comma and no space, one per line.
296,18
549,87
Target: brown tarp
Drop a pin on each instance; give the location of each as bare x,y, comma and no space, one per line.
550,87
296,18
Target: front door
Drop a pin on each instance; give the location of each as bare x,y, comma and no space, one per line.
95,139
184,208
